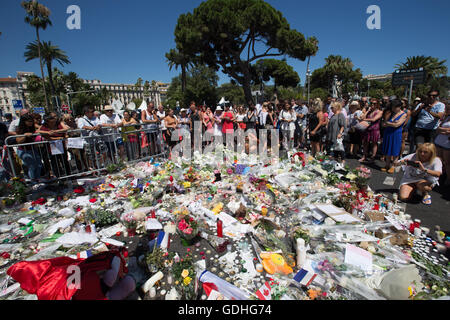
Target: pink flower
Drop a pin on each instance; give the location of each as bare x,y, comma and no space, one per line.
182,225
188,231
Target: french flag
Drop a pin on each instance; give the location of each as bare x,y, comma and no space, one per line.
84,255
305,277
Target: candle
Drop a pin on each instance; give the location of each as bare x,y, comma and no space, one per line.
417,232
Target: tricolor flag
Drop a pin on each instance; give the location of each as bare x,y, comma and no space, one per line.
84,254
305,277
265,292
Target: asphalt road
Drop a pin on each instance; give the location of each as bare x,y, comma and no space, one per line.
438,213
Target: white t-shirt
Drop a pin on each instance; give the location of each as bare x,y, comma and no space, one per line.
443,140
14,125
85,122
217,126
114,119
413,175
161,116
285,116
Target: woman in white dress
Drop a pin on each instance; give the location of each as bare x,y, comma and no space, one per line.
287,118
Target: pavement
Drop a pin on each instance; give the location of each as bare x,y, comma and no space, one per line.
438,213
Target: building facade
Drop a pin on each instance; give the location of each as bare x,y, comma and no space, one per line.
13,89
125,93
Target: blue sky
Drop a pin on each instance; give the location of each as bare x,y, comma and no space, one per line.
120,41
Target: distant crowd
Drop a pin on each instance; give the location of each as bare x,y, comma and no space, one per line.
363,128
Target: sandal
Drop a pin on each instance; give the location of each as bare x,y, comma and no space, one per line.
426,200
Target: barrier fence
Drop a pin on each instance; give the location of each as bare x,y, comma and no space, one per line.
80,152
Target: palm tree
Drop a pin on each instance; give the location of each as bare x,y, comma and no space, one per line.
433,67
38,17
176,59
49,53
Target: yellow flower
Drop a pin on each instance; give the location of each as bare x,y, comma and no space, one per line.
185,273
92,221
177,282
187,280
186,185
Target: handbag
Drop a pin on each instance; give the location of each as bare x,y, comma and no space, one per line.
362,126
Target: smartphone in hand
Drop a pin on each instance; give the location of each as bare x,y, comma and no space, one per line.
412,163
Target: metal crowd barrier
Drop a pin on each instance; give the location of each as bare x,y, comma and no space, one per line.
80,154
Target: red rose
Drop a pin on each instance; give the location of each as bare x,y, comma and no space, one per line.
78,209
171,179
111,185
93,200
78,190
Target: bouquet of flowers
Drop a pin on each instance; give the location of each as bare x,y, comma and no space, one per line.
362,176
101,218
191,175
297,157
185,276
187,228
129,220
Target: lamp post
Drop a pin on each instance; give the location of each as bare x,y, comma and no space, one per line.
308,75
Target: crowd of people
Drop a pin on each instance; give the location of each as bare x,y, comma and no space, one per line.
345,128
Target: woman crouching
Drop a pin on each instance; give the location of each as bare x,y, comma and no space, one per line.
422,172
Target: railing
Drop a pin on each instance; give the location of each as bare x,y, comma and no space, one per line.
82,153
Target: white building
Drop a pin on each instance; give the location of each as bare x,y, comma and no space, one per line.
125,93
13,89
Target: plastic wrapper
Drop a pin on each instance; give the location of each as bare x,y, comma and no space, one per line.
227,289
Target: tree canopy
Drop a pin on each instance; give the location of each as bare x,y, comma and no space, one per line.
342,68
227,34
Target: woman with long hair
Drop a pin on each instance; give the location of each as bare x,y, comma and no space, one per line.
53,130
29,154
422,172
171,124
371,136
406,124
316,124
392,136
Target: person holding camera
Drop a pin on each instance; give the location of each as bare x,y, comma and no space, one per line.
428,115
422,172
442,143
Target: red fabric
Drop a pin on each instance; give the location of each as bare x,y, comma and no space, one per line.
48,278
227,126
208,287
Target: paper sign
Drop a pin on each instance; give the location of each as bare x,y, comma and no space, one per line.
397,225
75,143
56,147
329,209
358,257
153,224
226,219
345,218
